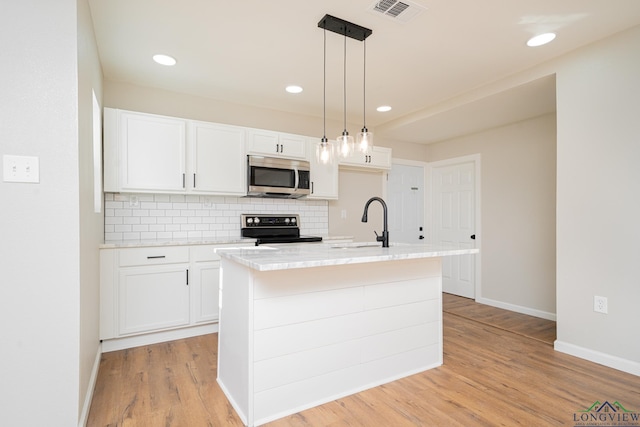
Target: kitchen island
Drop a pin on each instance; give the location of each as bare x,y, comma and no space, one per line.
302,325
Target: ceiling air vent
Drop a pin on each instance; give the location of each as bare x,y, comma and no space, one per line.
402,11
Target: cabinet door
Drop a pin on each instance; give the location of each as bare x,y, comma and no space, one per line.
217,162
205,291
379,158
324,178
276,144
152,152
293,145
153,298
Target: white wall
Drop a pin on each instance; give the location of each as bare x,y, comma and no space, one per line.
598,96
40,274
91,223
518,167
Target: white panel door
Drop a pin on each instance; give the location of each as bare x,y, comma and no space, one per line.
453,214
405,190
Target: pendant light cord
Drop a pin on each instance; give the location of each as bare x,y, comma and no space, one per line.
324,89
345,81
364,86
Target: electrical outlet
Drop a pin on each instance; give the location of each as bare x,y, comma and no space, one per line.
600,304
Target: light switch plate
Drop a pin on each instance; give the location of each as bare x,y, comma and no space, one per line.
20,169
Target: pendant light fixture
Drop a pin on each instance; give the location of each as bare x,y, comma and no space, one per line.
365,138
324,149
345,142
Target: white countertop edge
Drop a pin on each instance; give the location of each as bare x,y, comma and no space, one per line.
266,258
185,242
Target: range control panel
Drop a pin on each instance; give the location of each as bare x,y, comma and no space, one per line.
273,220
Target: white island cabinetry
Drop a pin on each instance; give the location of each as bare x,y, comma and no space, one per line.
306,325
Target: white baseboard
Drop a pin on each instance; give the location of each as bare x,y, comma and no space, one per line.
84,415
157,337
614,362
518,308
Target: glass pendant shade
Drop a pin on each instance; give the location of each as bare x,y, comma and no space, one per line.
364,141
324,152
345,144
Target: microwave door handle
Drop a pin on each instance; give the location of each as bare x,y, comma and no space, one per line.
297,184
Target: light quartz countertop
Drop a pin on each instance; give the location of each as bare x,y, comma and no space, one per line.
282,257
229,241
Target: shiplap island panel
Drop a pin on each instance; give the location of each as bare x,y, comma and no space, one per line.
306,324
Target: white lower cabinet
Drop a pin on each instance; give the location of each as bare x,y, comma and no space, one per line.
153,298
157,293
205,271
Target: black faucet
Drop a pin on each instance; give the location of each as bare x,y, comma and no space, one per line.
385,232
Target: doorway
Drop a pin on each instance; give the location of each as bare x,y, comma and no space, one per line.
454,207
405,190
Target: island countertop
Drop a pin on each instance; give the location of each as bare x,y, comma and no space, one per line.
282,257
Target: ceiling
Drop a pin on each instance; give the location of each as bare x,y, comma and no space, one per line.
247,52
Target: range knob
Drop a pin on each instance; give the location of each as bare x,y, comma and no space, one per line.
293,220
287,220
256,220
249,220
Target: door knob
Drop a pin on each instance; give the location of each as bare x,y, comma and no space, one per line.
473,237
421,237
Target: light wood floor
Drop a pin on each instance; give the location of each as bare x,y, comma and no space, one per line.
539,329
490,377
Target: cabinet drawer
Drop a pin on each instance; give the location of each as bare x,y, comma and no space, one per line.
153,256
204,253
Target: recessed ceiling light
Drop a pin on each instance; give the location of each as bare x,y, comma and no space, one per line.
384,108
541,39
164,59
293,89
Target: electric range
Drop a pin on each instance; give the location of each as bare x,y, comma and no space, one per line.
274,228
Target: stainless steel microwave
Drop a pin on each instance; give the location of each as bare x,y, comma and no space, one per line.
274,177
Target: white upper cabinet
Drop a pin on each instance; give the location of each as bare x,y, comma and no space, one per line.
324,178
379,158
216,159
143,152
147,153
276,144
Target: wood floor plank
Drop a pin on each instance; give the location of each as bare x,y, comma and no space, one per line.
490,377
533,327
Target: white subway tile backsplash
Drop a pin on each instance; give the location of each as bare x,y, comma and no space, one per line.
179,217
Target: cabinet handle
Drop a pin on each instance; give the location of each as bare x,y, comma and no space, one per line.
277,148
187,277
311,187
281,148
194,180
156,257
183,180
